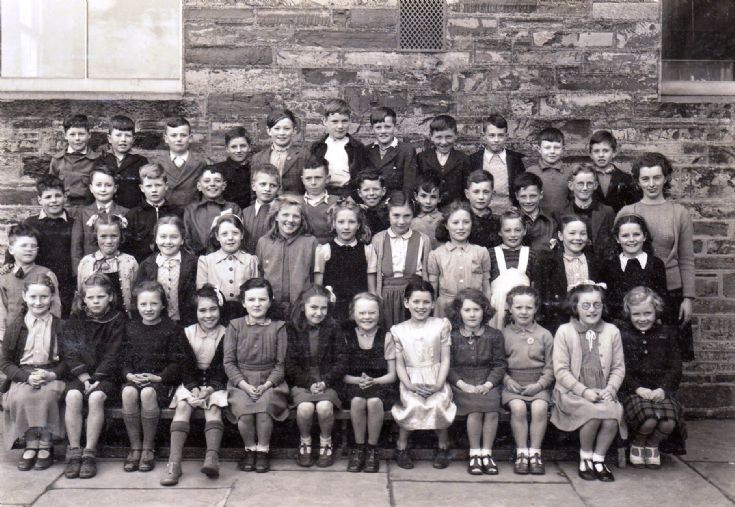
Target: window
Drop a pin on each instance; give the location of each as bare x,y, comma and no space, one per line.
698,47
83,47
422,24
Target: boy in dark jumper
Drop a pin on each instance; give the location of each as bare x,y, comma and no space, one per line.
616,188
371,191
540,227
236,168
317,201
122,163
394,159
74,164
552,171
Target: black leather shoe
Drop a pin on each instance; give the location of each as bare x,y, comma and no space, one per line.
304,457
45,462
247,463
403,459
474,467
372,460
536,465
521,465
25,464
357,459
442,458
132,460
326,458
147,460
489,466
262,462
602,472
587,470
88,468
73,466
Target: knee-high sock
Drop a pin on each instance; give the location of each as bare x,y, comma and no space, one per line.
179,433
213,435
132,425
149,421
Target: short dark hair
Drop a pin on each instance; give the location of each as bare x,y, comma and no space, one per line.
148,286
369,175
455,308
177,121
102,168
552,135
337,106
496,120
633,219
526,179
79,121
236,132
22,230
256,282
442,122
314,161
418,285
604,136
479,176
653,159
379,114
298,316
428,181
120,122
48,182
399,198
277,115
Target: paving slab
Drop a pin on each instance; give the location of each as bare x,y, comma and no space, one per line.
711,440
481,495
289,489
128,497
722,475
457,472
23,488
674,484
110,474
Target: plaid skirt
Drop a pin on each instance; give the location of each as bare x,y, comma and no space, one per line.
638,410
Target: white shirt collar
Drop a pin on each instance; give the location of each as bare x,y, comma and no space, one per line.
341,243
392,144
43,215
406,236
642,259
161,259
489,155
30,319
259,204
107,207
330,141
183,157
316,201
70,151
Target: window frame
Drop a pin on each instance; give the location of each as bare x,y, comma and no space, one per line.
102,89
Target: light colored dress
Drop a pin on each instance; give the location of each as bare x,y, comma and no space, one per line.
456,267
420,345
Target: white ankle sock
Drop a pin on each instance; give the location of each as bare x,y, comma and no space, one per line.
324,441
250,448
532,451
522,451
597,458
306,441
486,452
585,454
475,452
262,448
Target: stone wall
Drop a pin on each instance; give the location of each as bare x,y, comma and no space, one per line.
579,65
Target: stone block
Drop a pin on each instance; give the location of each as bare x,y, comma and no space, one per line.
306,58
711,228
706,286
625,10
426,62
199,34
556,57
238,14
230,57
483,57
240,105
347,39
615,62
728,285
612,105
253,80
293,17
714,306
717,328
643,35
487,6
472,27
720,247
595,39
329,77
722,155
373,19
708,395
574,80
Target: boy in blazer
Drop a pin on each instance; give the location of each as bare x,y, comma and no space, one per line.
287,158
394,159
616,188
182,167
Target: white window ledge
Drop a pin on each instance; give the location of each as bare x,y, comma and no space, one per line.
88,88
715,91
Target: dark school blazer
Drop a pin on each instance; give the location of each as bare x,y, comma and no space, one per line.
453,174
621,192
148,271
291,177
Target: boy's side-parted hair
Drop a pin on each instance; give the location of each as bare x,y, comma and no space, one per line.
455,308
399,198
277,205
48,182
101,168
526,179
583,169
603,136
315,161
230,218
148,286
364,234
212,169
336,106
94,280
298,316
152,171
379,114
22,231
369,175
177,121
639,295
428,182
368,296
576,293
442,122
267,169
79,121
277,115
479,176
236,132
120,122
496,120
653,159
550,134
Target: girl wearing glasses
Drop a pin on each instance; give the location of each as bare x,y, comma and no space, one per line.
589,369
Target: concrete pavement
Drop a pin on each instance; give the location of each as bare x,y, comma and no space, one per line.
705,476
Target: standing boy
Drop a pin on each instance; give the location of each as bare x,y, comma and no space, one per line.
371,192
142,220
345,154
74,163
236,168
283,154
265,183
427,197
395,160
83,238
182,167
505,165
540,227
552,171
317,200
123,164
616,188
199,216
451,165
23,246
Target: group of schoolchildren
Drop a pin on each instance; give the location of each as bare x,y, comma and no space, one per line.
317,279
